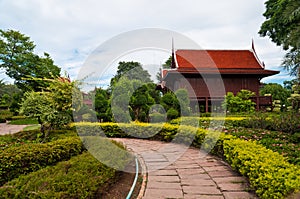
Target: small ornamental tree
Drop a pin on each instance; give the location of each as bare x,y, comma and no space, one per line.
52,106
295,98
240,102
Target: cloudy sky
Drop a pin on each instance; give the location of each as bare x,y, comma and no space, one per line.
69,30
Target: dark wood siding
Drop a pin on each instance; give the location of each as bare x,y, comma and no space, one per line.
213,86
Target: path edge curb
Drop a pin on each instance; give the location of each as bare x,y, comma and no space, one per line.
144,175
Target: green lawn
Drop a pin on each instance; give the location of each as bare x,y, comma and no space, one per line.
32,127
24,121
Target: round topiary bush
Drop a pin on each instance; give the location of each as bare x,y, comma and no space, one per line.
172,114
157,117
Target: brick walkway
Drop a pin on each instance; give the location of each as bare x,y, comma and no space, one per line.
178,172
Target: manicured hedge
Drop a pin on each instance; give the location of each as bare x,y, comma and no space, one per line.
5,115
205,122
32,136
82,176
163,132
2,120
18,117
17,160
268,172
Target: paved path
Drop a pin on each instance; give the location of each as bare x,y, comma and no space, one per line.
9,129
178,172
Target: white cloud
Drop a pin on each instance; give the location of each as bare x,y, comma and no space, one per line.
71,29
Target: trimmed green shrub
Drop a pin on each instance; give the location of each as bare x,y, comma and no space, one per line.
159,131
17,160
82,176
268,172
2,120
172,114
32,136
157,118
18,117
205,122
284,143
164,132
5,115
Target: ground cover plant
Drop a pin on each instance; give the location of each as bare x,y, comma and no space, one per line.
252,128
283,143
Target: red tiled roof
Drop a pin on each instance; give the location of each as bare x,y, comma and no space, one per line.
260,72
164,72
218,62
221,59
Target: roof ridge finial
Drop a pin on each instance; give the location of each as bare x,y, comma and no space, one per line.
252,45
173,65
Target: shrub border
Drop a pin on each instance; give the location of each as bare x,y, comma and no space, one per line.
251,159
24,159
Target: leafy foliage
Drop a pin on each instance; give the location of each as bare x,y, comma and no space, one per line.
20,62
5,115
287,122
82,176
277,92
169,101
101,104
295,98
53,106
132,95
132,71
172,114
10,96
240,102
24,159
268,172
282,26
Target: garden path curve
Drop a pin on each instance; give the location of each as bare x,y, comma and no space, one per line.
177,172
9,129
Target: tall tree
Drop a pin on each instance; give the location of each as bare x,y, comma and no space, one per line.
14,96
133,93
101,103
20,63
277,91
130,70
282,25
141,101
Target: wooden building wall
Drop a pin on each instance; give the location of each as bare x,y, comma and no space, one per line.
214,86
